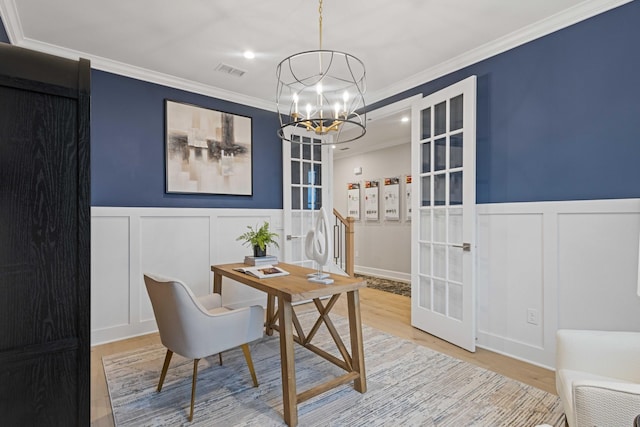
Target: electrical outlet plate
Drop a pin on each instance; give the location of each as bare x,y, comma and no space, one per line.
533,316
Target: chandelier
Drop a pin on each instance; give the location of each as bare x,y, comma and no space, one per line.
321,92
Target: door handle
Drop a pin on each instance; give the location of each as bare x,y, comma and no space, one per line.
290,237
465,247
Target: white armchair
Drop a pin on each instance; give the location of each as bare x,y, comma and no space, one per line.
196,327
598,377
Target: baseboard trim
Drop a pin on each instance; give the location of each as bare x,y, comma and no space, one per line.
384,274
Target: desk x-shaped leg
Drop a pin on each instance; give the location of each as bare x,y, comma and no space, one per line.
352,363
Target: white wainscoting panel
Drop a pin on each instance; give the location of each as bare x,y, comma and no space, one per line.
598,256
174,242
174,246
510,272
574,263
109,272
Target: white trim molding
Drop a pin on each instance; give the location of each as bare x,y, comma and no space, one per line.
566,18
580,12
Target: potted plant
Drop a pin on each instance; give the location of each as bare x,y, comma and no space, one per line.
259,239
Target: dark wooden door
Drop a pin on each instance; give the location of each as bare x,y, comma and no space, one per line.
44,240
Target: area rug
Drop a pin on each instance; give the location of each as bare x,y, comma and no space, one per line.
408,385
387,285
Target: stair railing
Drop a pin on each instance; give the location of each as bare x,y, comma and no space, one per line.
343,243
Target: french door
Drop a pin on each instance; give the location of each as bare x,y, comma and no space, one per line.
307,170
443,295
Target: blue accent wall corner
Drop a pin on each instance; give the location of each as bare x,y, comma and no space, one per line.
4,38
558,117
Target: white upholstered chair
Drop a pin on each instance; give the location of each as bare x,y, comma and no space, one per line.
197,327
598,376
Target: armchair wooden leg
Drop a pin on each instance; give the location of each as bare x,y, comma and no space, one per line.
220,357
193,386
167,359
247,356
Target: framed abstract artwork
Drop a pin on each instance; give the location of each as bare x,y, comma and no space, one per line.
207,151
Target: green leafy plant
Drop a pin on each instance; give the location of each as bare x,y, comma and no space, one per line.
259,236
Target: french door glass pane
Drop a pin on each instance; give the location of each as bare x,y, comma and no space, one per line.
455,225
296,247
440,261
317,152
295,172
439,225
440,112
426,124
425,224
306,149
455,151
295,198
455,113
425,292
425,259
306,167
455,264
439,189
440,154
439,297
455,196
426,191
455,301
296,223
312,198
317,169
426,157
295,146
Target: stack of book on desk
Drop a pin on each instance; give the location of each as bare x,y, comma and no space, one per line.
263,271
262,260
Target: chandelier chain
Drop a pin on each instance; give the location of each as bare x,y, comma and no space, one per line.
320,21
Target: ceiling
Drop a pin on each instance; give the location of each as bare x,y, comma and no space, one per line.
180,43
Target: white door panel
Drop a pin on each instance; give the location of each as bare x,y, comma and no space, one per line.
443,133
307,170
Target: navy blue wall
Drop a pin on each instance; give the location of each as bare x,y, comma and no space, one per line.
3,33
127,147
559,117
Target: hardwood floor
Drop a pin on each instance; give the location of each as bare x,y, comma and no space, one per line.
381,310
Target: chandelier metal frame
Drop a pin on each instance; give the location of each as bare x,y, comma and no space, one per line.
334,81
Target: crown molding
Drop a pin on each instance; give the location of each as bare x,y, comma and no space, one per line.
566,18
132,71
12,25
580,12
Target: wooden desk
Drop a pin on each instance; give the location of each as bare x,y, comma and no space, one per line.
292,288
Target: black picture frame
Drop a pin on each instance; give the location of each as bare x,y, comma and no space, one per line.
207,151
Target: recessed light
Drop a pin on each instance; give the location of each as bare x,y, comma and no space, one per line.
249,55
405,119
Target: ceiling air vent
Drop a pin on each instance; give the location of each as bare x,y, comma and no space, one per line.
228,69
